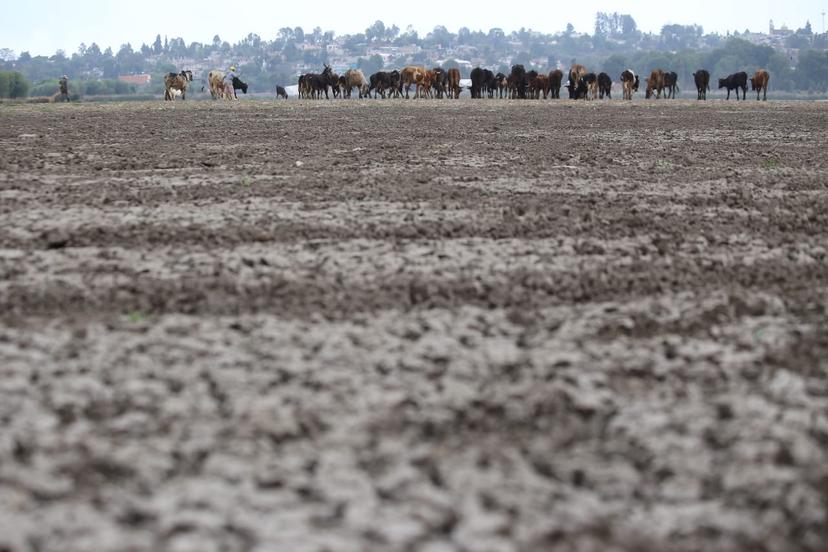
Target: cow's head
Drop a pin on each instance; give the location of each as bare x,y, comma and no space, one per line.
239,85
518,70
188,75
753,83
722,83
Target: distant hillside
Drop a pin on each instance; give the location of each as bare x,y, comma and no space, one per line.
797,59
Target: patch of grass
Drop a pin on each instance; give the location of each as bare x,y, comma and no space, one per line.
246,182
770,163
663,164
136,317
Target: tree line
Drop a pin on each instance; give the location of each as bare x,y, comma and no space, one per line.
614,44
13,85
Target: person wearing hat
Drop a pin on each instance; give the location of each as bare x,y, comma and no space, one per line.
228,82
63,83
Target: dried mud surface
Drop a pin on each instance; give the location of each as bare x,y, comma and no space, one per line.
422,326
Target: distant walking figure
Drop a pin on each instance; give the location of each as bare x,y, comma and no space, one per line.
229,92
63,83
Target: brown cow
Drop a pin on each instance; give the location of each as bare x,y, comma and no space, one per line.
454,83
555,78
412,74
592,85
759,83
177,83
629,80
655,83
215,79
425,83
502,85
539,85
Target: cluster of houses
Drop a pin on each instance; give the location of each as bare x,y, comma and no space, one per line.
465,56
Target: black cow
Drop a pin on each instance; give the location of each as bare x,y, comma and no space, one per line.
671,84
735,82
239,85
587,87
477,82
489,83
377,83
519,80
394,82
528,78
702,79
281,92
440,82
385,81
320,83
604,86
578,89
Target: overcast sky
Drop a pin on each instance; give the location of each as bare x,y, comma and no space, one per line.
43,26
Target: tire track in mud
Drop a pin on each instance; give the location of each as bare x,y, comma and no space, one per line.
345,278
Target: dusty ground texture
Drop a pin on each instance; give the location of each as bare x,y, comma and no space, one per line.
423,326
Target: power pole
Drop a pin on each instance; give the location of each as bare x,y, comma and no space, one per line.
823,21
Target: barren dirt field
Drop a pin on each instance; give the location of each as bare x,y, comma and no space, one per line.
423,326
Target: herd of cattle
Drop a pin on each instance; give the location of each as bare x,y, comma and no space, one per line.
445,83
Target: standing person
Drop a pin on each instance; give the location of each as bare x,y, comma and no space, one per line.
63,83
228,82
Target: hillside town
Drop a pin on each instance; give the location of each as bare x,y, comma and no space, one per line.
614,44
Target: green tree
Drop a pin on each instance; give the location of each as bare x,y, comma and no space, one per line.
614,65
727,65
5,84
679,37
13,85
370,65
812,71
375,32
440,37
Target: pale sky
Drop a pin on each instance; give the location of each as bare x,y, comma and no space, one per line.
43,26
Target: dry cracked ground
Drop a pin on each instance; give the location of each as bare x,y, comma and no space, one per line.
414,326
